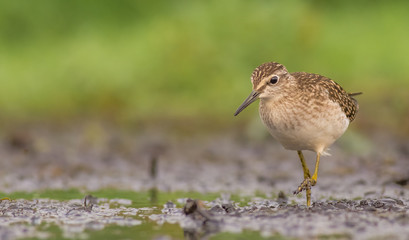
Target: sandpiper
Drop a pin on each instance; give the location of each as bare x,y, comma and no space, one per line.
303,111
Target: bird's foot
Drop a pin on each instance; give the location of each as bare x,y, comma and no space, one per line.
6,198
305,185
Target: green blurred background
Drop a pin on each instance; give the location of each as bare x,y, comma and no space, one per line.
160,61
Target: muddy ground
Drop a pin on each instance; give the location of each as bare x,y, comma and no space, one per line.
362,190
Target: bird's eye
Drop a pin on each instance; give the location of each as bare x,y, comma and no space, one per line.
274,80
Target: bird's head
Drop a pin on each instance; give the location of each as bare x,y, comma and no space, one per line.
268,79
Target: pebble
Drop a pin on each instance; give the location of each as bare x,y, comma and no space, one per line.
228,207
378,204
341,205
217,209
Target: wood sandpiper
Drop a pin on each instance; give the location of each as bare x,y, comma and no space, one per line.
303,111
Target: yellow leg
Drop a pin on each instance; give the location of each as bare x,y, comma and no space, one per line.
6,198
315,175
306,178
304,165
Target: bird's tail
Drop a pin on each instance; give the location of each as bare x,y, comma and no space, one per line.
353,99
354,94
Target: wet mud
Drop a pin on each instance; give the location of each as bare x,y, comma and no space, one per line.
362,190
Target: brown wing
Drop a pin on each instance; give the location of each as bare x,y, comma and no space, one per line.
310,81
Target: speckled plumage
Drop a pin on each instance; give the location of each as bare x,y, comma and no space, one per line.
313,83
303,111
264,70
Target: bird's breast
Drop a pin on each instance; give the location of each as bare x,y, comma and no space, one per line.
302,125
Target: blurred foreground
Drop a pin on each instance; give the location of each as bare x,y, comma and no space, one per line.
358,189
94,156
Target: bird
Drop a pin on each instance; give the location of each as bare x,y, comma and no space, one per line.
302,111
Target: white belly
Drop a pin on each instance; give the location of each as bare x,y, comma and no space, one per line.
301,127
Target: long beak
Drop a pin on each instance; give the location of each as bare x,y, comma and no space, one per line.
251,98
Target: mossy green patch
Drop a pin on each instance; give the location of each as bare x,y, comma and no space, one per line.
147,230
334,236
53,231
152,197
139,199
144,231
49,193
